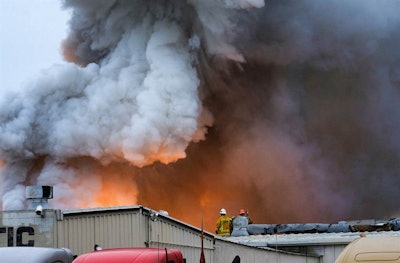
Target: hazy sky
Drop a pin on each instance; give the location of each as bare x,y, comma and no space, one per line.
30,37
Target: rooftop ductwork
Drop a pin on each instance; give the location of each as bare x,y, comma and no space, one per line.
39,196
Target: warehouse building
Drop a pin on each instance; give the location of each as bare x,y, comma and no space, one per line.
80,230
131,226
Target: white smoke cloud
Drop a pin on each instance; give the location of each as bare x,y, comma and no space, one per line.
132,96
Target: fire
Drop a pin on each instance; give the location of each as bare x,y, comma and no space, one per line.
116,192
111,185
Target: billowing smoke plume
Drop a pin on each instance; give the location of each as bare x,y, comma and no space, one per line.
286,108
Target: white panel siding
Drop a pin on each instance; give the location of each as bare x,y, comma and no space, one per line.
166,233
109,230
116,230
77,234
226,251
331,253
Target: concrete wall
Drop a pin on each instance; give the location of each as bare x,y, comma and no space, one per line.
25,228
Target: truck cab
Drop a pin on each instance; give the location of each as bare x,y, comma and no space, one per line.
35,255
132,255
378,249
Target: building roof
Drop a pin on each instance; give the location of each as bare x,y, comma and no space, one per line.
145,210
304,239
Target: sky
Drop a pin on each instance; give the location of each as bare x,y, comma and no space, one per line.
30,38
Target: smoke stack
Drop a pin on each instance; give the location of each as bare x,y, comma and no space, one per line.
39,196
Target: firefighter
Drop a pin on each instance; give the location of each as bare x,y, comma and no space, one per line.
224,224
246,214
240,224
242,212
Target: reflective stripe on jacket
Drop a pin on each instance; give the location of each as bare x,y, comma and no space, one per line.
224,225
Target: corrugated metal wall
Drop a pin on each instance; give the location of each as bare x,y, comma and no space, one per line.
109,229
225,251
79,230
171,234
138,227
76,233
331,252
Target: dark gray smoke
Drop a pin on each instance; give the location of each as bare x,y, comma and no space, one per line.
288,109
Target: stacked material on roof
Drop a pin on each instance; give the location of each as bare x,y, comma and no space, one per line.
342,226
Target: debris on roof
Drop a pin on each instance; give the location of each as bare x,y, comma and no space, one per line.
340,227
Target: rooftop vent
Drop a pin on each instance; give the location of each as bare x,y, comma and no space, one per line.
39,196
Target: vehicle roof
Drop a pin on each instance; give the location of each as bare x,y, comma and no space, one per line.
35,255
129,255
372,250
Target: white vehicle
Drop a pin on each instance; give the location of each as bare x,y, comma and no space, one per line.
378,249
35,255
